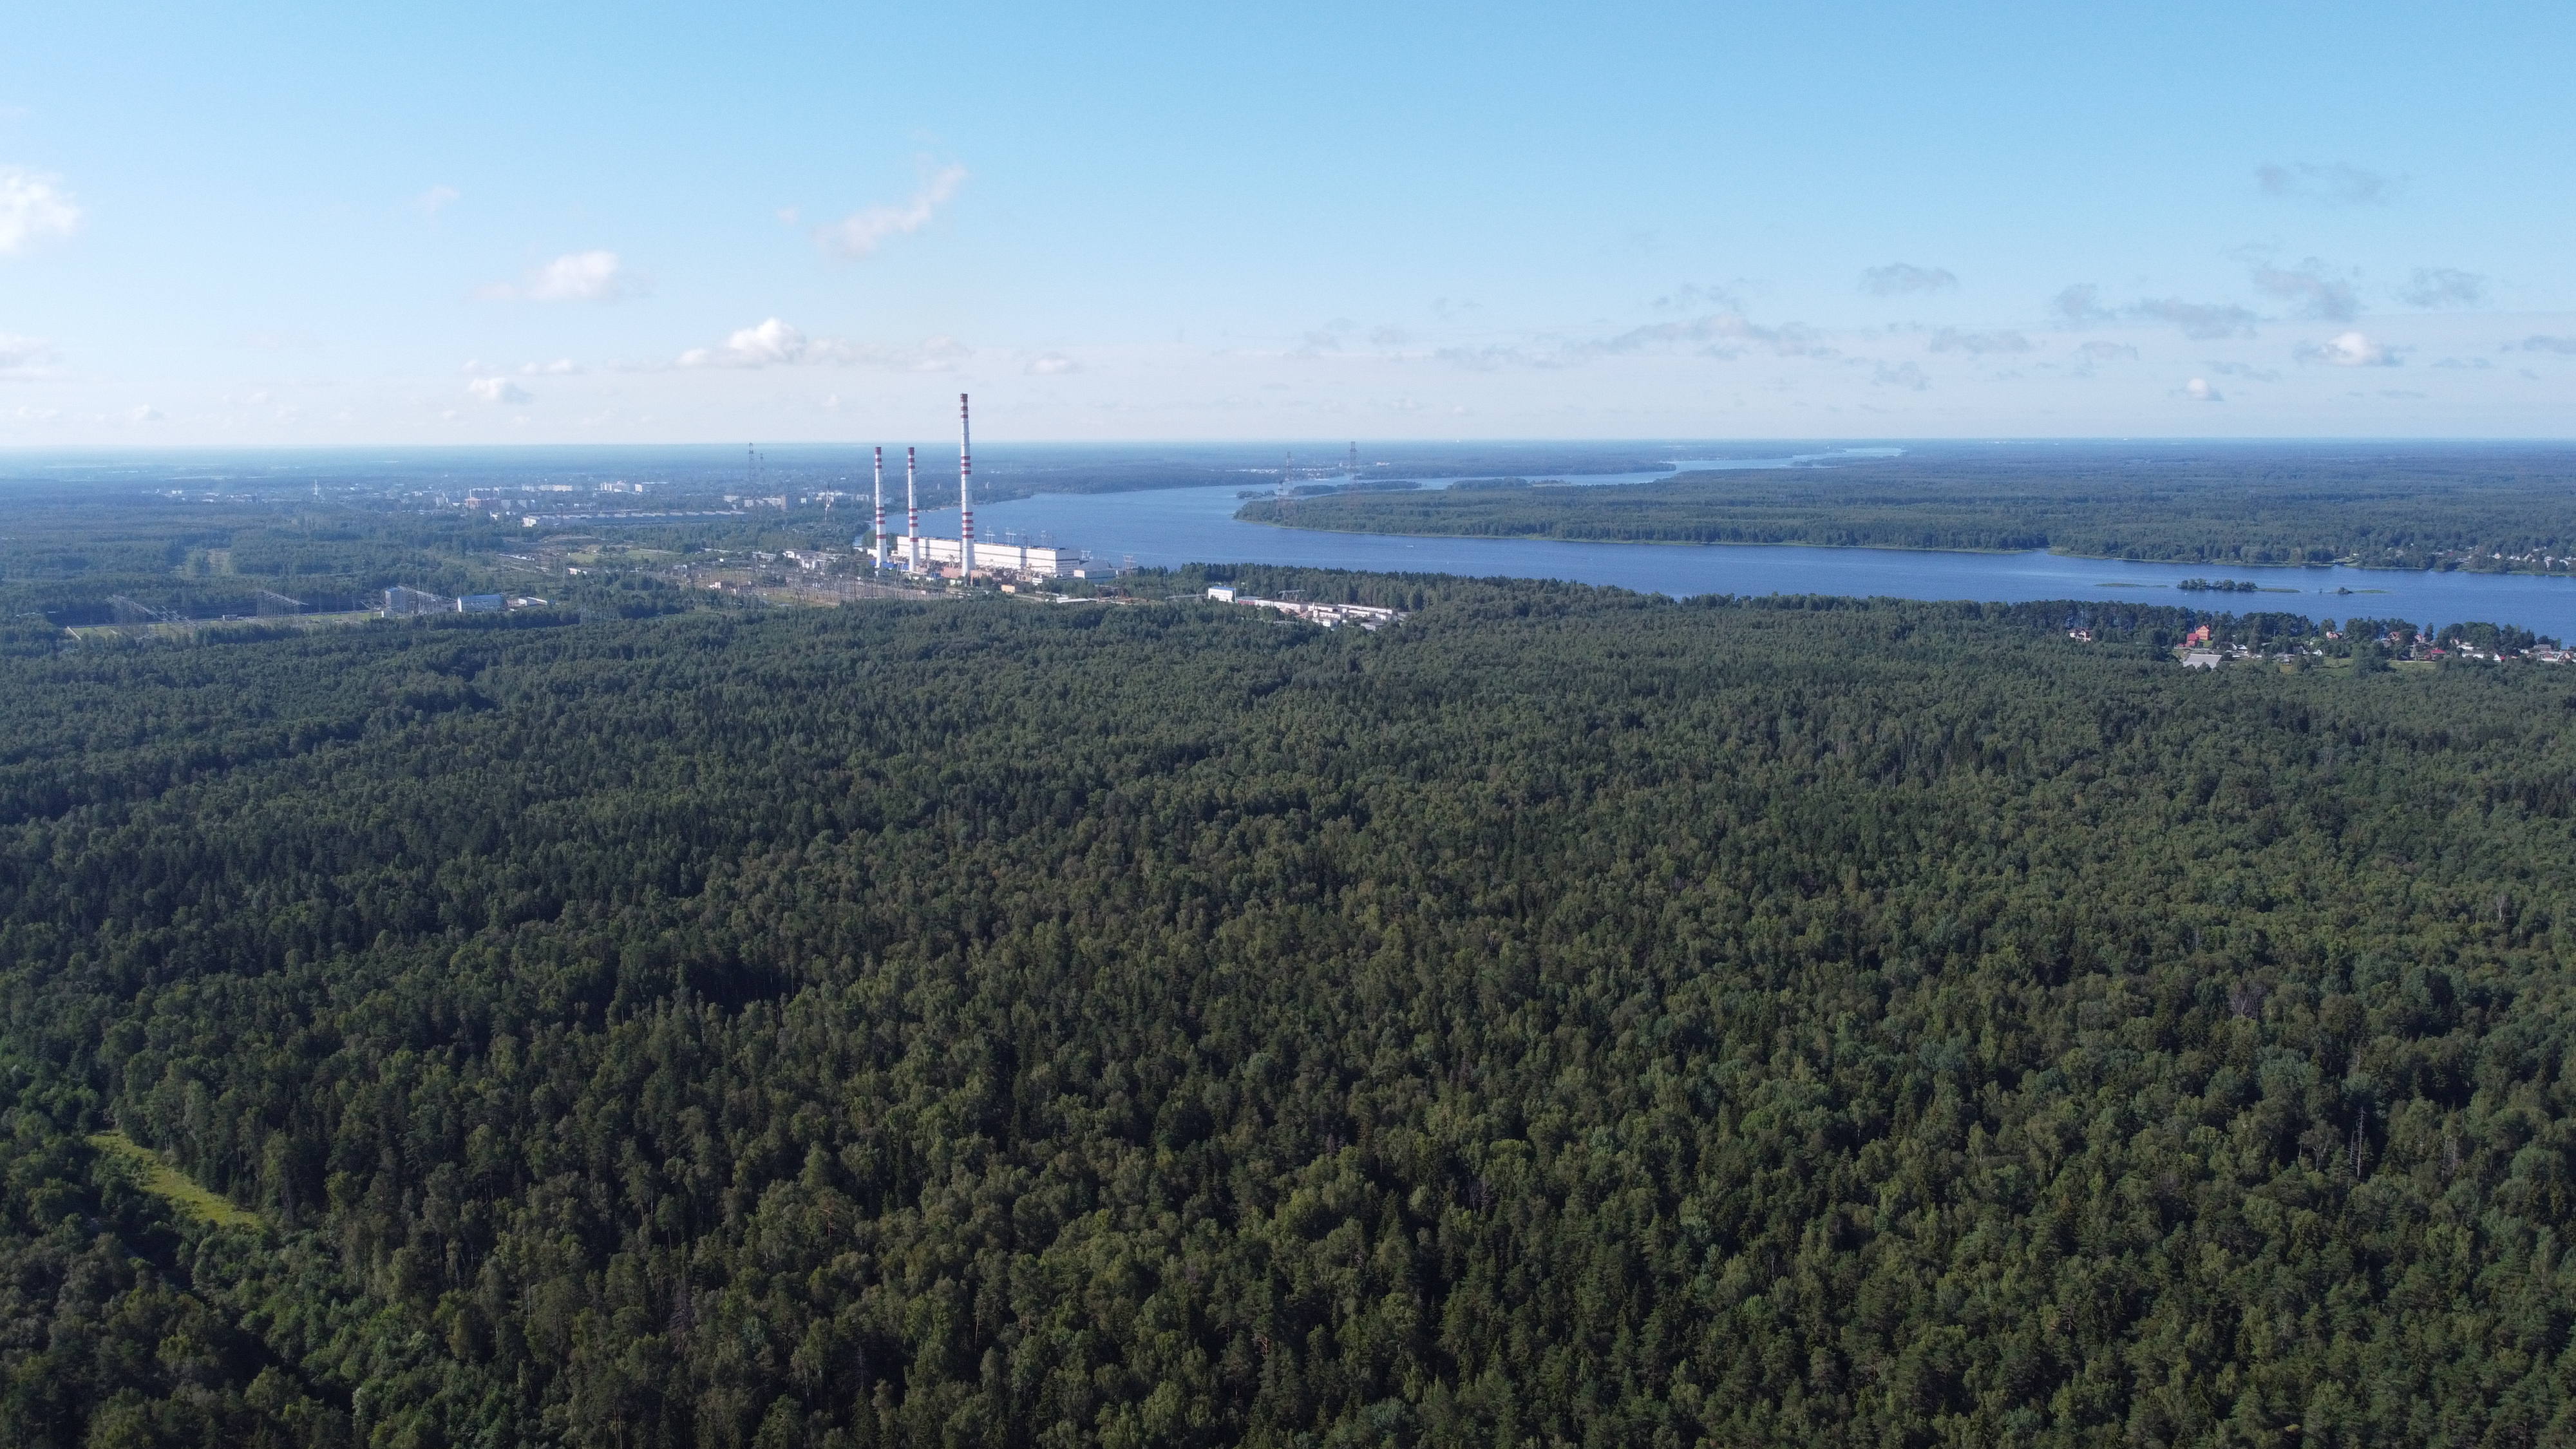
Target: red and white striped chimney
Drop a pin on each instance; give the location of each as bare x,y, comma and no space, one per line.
911,517
965,492
880,533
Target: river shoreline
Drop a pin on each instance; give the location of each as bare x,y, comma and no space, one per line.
1903,548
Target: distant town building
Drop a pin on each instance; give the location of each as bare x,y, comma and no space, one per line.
1367,616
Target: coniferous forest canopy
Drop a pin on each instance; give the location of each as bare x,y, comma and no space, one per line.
1563,1017
2499,508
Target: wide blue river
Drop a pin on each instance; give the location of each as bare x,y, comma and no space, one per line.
1197,525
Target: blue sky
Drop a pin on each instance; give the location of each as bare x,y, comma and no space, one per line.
473,222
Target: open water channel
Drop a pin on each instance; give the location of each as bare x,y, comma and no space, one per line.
1170,527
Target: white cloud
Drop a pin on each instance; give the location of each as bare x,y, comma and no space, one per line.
2349,349
24,357
560,367
2199,390
500,391
1899,279
863,231
591,276
935,354
143,413
1052,364
2331,185
435,200
771,343
774,343
33,206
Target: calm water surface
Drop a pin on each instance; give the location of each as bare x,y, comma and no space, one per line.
1171,527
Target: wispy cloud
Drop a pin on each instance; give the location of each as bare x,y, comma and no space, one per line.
591,276
2349,349
2311,290
33,206
560,367
2245,370
143,413
1051,364
22,358
1904,279
500,391
1903,374
2335,184
1721,334
435,200
2539,342
1953,339
2199,390
1490,357
2443,287
1692,295
863,231
2080,305
2099,351
2199,320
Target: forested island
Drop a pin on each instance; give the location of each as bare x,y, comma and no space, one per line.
2496,508
1562,1017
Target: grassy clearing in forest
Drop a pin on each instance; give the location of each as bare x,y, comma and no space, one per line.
155,1175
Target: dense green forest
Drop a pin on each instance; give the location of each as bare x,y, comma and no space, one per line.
1563,1018
2412,506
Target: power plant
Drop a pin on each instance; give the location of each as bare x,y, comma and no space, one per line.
962,558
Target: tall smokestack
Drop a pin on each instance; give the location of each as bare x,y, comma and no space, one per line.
911,517
965,491
880,533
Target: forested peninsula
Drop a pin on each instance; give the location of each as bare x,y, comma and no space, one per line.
2406,506
1562,1017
